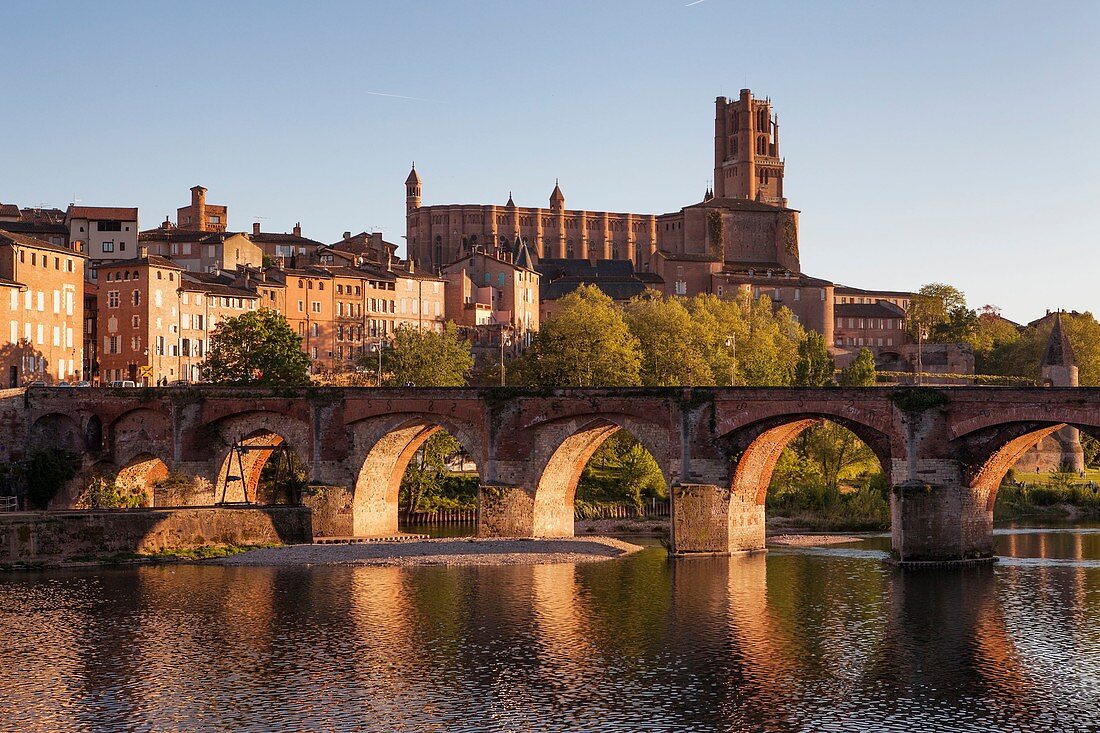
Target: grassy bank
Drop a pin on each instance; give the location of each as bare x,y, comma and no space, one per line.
1059,497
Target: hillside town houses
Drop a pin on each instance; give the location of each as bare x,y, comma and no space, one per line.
142,303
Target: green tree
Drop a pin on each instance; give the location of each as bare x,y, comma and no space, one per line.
992,333
256,348
427,473
814,367
46,471
940,310
585,344
672,343
746,341
861,372
426,358
621,470
834,450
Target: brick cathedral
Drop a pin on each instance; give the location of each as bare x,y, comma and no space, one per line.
741,236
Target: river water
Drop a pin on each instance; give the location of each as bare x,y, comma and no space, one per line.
795,640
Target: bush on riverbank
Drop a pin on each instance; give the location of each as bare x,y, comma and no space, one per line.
861,505
1061,496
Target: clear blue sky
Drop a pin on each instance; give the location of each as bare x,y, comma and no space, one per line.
949,141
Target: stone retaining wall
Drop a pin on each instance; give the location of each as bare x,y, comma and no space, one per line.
31,537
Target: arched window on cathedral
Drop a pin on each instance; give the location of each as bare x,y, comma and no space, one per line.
438,250
733,146
569,248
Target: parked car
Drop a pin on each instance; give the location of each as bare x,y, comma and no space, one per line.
82,383
122,383
37,383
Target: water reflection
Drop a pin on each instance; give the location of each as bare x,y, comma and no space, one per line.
794,640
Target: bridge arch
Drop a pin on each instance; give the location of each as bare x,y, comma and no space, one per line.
246,441
382,448
141,430
993,449
562,449
140,474
756,449
58,431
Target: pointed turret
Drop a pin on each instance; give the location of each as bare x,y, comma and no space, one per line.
1059,351
524,258
412,191
511,204
1060,370
557,198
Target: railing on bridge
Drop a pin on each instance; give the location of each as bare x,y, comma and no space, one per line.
9,504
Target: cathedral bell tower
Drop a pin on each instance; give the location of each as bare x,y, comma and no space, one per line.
747,163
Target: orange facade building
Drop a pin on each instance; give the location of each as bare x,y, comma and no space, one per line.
42,292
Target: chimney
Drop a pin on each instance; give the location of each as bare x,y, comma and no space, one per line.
347,235
255,228
298,229
143,251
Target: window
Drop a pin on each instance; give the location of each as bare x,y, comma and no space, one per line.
135,297
107,247
135,321
108,226
112,299
315,306
301,306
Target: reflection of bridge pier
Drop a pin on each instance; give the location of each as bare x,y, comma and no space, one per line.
946,638
945,451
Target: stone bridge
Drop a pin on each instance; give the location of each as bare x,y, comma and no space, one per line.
944,450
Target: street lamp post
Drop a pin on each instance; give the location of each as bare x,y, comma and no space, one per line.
731,344
378,347
505,331
920,364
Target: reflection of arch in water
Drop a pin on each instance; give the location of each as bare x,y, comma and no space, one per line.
383,448
556,471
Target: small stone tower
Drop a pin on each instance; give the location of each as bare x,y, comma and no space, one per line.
412,191
747,163
1063,448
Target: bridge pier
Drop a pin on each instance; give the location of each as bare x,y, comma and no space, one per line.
939,523
707,519
505,511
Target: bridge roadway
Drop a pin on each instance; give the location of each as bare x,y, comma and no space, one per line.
944,450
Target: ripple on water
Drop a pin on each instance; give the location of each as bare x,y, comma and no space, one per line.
808,639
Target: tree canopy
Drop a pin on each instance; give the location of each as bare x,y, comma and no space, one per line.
425,358
258,348
663,341
814,367
861,372
587,343
932,308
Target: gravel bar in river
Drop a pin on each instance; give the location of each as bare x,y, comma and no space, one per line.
448,551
